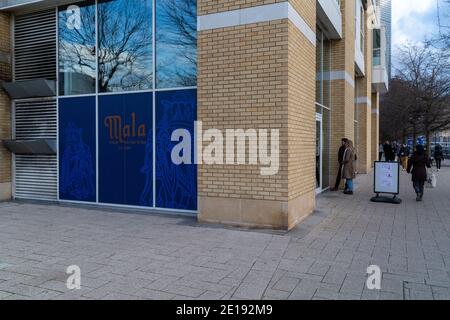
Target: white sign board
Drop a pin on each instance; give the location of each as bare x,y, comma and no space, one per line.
387,175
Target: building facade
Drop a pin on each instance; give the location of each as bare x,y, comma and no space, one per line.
134,103
386,20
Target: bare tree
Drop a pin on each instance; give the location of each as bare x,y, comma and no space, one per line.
398,117
426,72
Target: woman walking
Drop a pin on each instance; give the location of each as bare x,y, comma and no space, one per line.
417,166
348,171
438,156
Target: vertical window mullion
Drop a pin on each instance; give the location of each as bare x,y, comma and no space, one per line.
154,98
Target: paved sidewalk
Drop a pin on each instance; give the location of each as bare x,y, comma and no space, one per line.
135,256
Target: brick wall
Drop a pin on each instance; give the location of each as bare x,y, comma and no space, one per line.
364,90
342,92
302,110
375,126
256,77
214,6
5,106
242,84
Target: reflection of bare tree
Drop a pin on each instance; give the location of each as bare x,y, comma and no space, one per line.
125,40
125,60
177,31
77,46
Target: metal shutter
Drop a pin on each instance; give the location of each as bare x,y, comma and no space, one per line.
35,176
35,45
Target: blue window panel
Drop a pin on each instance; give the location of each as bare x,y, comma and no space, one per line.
176,185
77,149
126,149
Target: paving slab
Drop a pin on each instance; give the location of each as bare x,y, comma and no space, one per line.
129,256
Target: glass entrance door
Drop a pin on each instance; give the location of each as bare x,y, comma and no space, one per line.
319,153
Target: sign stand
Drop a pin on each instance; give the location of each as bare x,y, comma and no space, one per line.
392,200
387,181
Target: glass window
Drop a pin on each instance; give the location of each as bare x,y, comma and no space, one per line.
319,66
376,47
176,43
323,68
125,45
77,49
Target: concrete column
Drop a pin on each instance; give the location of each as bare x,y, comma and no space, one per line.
5,106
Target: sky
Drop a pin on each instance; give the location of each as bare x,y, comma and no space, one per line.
414,20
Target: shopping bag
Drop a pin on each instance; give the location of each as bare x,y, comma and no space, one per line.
431,179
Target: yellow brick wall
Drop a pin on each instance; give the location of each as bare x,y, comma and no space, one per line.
214,6
342,93
243,84
364,90
302,110
264,76
259,76
5,105
375,126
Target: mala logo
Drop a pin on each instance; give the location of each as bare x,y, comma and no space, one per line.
73,17
120,132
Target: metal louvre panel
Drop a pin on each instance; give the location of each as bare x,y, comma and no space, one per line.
36,176
35,46
36,120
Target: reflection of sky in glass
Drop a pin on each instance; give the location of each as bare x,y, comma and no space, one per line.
176,43
77,52
125,40
125,46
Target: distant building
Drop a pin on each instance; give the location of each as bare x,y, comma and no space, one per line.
443,136
386,21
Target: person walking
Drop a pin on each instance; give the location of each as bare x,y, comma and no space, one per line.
380,152
417,166
340,160
348,171
438,156
404,156
388,151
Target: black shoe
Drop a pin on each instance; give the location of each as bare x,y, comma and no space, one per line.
419,198
350,193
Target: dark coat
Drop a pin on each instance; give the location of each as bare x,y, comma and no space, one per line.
349,171
389,152
341,155
417,165
403,152
438,154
